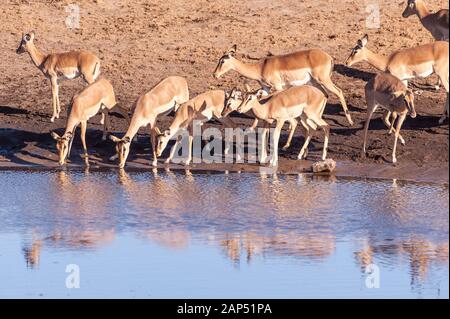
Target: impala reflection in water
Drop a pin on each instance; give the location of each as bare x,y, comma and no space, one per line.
166,234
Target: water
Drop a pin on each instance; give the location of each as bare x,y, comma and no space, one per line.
178,235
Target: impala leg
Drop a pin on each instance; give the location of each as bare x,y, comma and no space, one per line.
397,134
264,136
58,105
172,150
106,124
276,139
386,118
191,141
153,142
254,125
329,85
304,149
394,116
293,126
227,122
326,130
54,87
370,110
443,76
83,142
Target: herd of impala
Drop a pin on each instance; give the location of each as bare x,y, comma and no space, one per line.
284,95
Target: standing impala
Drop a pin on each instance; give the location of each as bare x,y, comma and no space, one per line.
390,93
166,96
406,64
96,97
203,108
55,66
282,71
304,102
436,23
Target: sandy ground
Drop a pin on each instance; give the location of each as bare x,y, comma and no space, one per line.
141,42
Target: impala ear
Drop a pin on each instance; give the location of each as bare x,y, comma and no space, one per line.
68,135
398,94
364,40
232,50
114,139
261,93
232,92
55,136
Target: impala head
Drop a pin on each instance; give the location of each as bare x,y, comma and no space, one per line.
122,148
251,100
410,8
162,141
232,101
63,144
225,63
25,42
409,101
358,53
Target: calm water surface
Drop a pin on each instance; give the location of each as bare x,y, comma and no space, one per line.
239,235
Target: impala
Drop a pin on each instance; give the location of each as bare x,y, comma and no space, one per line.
306,103
166,96
388,92
203,107
282,71
96,97
55,66
406,64
436,23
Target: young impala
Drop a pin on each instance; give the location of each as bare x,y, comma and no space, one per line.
282,71
166,96
388,92
406,64
302,102
203,108
436,23
96,97
55,66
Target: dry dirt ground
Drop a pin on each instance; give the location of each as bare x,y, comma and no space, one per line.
141,42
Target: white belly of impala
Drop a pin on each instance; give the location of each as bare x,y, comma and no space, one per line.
426,73
71,73
300,82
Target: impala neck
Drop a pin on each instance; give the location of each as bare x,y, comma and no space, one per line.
260,111
36,56
377,60
249,70
72,124
133,129
422,10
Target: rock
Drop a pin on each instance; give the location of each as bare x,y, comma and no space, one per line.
326,166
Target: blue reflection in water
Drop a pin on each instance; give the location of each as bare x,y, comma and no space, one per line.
206,235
